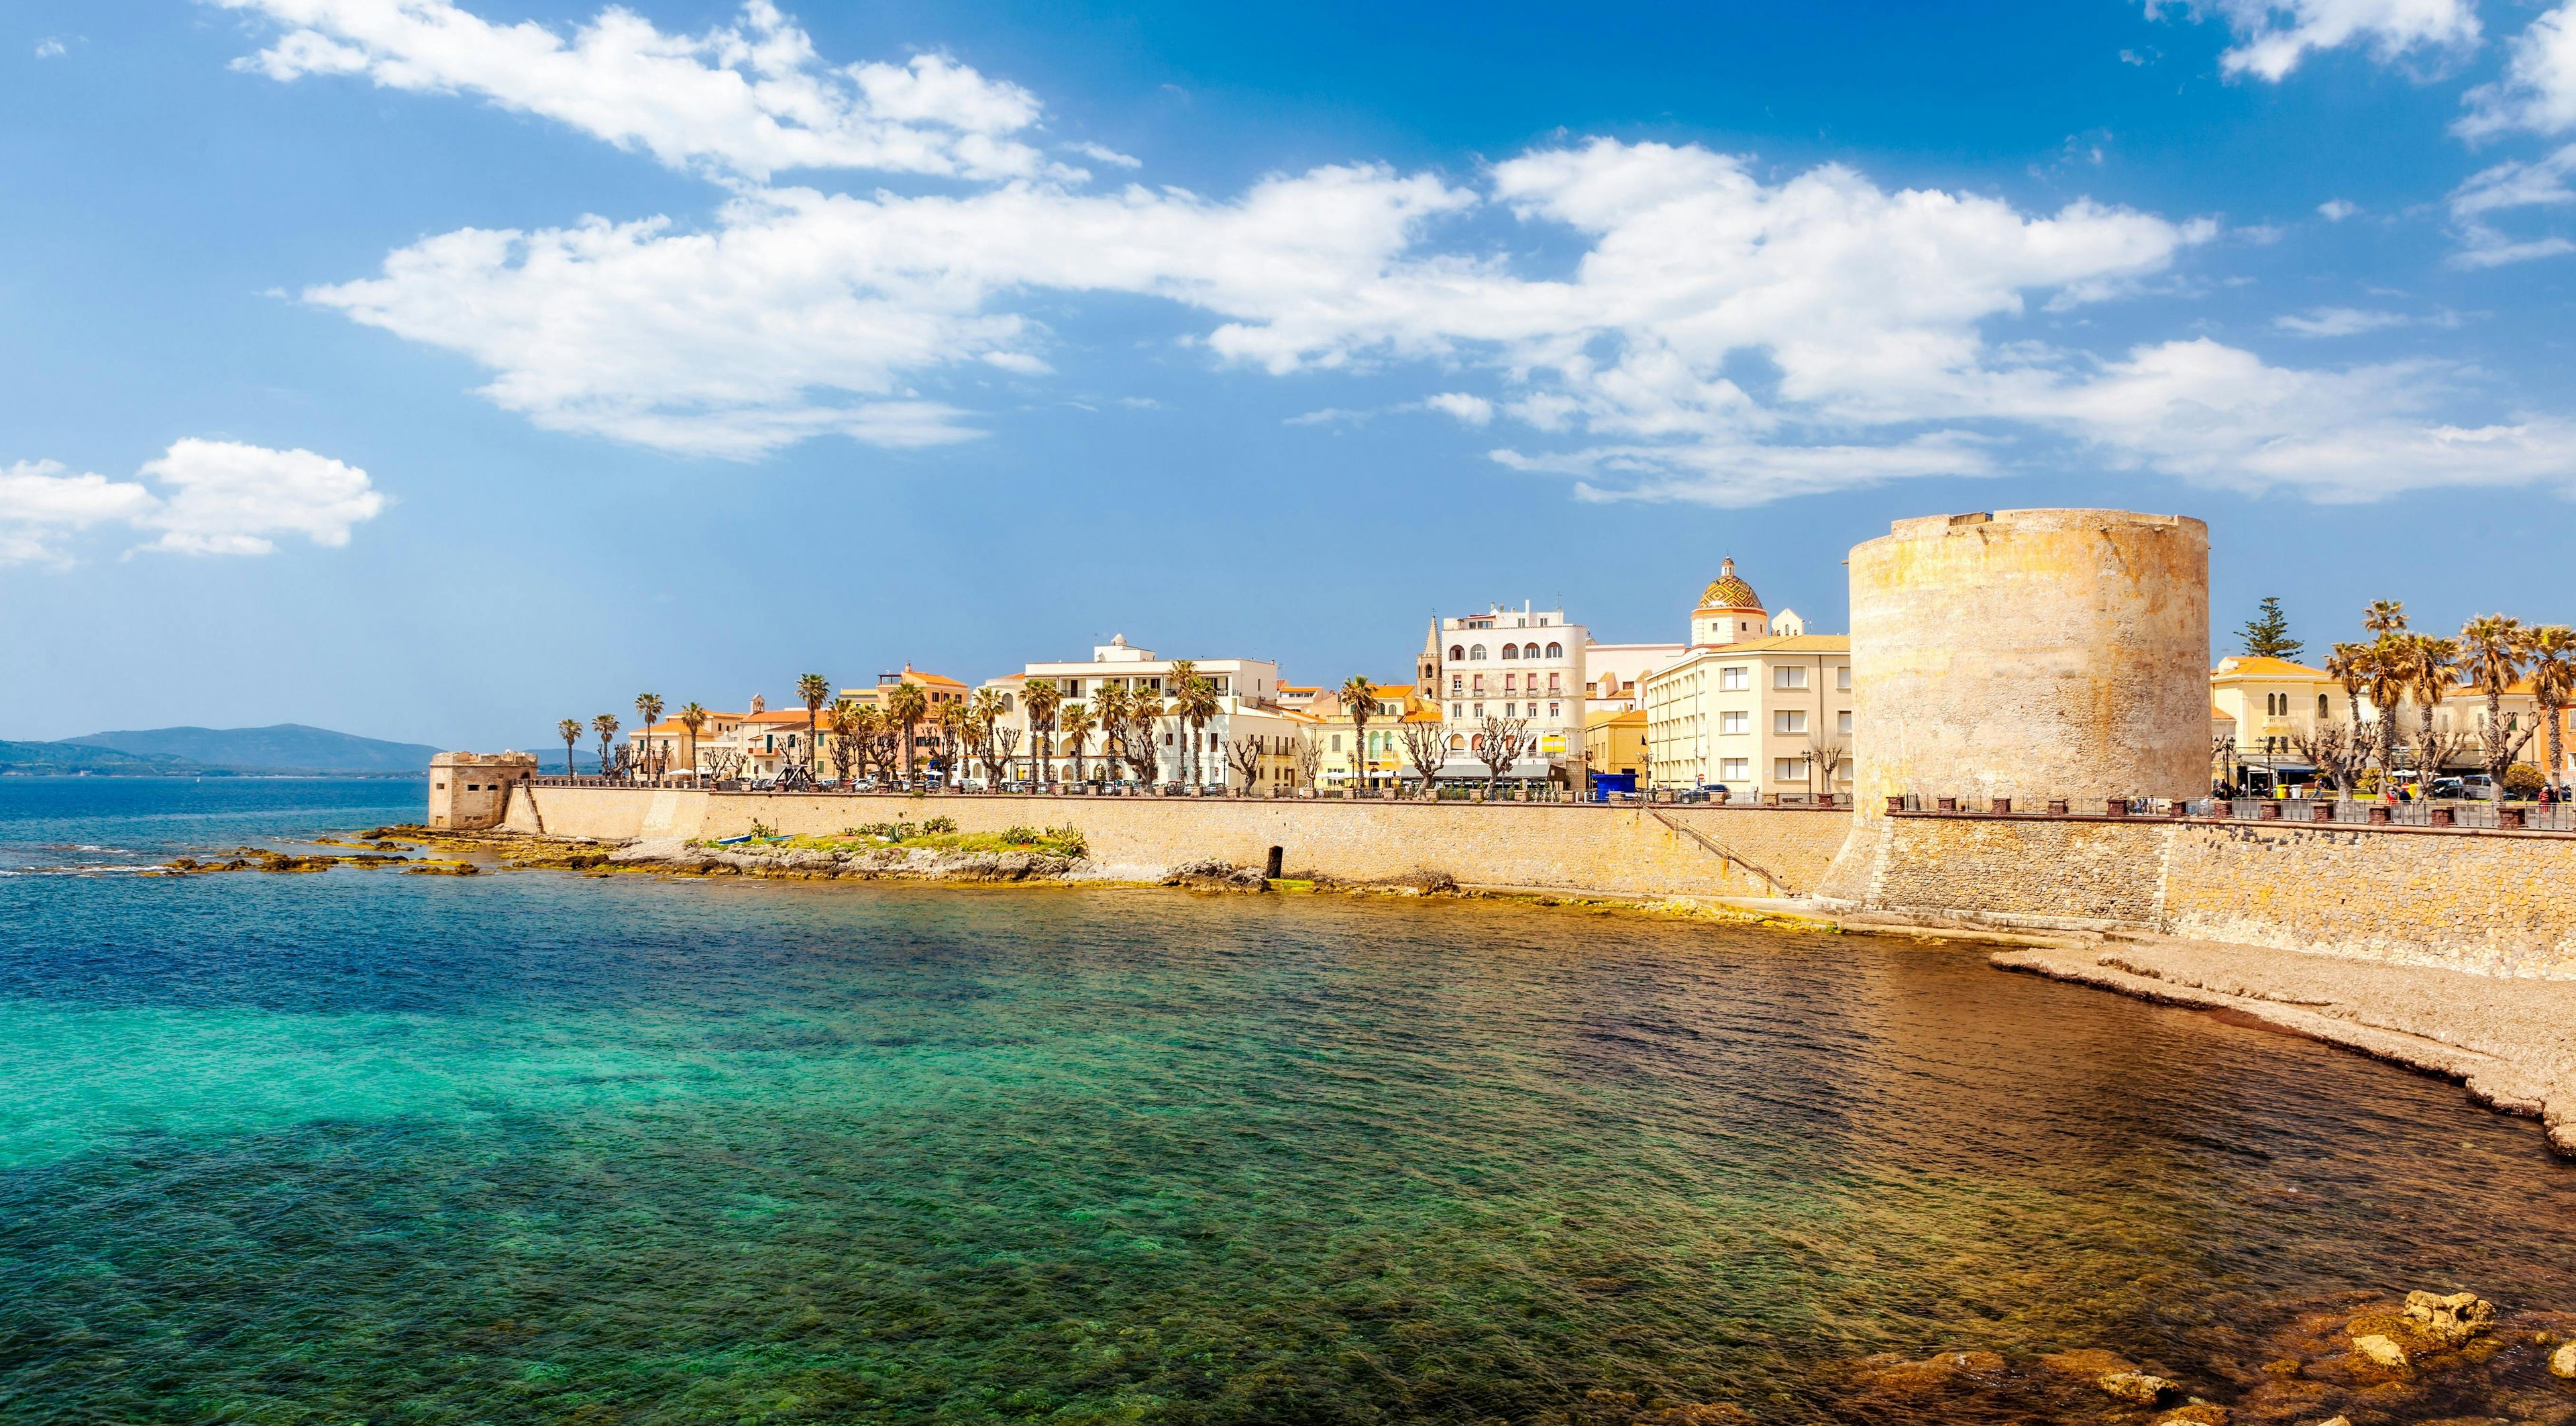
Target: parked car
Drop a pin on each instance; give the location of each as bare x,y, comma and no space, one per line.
2478,785
2446,787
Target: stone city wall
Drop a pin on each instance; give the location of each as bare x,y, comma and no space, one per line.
1574,848
2498,903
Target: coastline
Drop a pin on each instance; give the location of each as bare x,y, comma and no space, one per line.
2510,1042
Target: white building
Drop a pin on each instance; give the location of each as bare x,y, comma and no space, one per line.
1247,691
1525,664
1756,704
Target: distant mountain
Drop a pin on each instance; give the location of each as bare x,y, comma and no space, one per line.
287,747
63,758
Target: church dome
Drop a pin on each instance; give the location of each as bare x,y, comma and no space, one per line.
1727,591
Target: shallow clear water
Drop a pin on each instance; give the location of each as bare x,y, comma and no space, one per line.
539,1147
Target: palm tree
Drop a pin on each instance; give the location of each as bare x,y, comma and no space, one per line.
814,690
1041,698
1359,699
1183,670
1197,705
2431,663
2491,654
905,705
2387,678
867,724
1077,722
2552,649
2385,616
570,731
648,709
693,718
1144,706
606,726
1109,704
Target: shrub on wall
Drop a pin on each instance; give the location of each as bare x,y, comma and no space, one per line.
2523,781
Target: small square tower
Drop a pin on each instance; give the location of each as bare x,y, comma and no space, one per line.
471,791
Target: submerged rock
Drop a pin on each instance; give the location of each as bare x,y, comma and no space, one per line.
1216,876
2379,1350
1892,1373
2563,1361
2139,1387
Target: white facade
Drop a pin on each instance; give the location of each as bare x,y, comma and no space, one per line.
1614,675
1757,717
1525,663
1247,690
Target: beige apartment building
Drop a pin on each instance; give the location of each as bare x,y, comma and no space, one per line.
1756,705
1248,693
1522,664
2260,709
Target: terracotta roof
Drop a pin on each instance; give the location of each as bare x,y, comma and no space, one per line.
2261,666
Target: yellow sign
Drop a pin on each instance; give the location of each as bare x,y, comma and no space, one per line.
1552,743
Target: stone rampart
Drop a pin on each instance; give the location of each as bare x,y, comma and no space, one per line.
2498,903
1621,851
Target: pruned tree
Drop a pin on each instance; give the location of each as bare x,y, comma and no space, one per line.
722,764
1244,755
1426,746
847,758
1006,740
1499,743
1136,736
1826,755
1308,754
2339,750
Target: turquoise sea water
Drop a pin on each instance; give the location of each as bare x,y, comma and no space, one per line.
538,1147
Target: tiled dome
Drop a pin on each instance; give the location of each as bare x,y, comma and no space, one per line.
1729,592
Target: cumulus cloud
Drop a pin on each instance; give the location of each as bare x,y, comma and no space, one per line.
2538,90
750,99
1722,333
213,497
2335,210
2273,36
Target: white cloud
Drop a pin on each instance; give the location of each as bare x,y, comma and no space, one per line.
39,504
2336,210
2538,90
1721,334
217,497
749,99
1103,153
2338,322
50,49
2541,183
2273,36
228,498
1474,410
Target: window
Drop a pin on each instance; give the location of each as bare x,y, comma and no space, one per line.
1788,769
1734,769
1457,710
1789,676
1511,682
1734,722
2321,705
1480,683
1457,743
1529,651
1337,742
1480,710
1457,683
1789,722
1842,722
1551,710
1511,651
1842,679
1556,651
1732,678
1475,651
1508,710
1457,654
1554,683
1072,689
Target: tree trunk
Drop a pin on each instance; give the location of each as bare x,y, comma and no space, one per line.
2555,760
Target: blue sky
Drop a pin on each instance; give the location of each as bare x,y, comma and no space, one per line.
435,370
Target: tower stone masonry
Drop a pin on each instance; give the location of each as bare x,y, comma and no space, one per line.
2034,655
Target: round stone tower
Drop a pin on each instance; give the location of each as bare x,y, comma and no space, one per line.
2031,654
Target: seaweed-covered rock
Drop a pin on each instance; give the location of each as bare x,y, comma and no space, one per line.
2379,1350
2451,1320
1216,876
2138,1387
2563,1361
